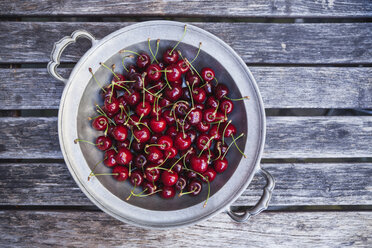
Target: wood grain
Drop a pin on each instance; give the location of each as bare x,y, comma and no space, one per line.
281,87
190,8
287,137
269,229
315,43
50,184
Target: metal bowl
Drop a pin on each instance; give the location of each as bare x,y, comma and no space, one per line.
81,93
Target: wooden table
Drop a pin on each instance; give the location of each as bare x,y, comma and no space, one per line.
312,61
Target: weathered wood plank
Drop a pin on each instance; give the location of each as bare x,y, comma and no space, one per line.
281,87
316,43
189,8
287,137
269,229
296,184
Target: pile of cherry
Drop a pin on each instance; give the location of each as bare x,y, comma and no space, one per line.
164,125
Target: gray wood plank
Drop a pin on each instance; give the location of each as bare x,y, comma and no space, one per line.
287,137
269,229
281,87
50,184
272,43
189,8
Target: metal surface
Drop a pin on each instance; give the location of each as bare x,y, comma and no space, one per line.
77,104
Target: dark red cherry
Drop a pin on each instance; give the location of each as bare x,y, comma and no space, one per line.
136,178
118,81
164,102
150,98
221,91
109,131
124,156
154,138
100,123
153,154
110,161
165,142
209,115
158,85
122,102
186,94
132,97
192,175
182,108
219,148
152,173
169,178
148,187
192,78
182,142
226,106
168,192
155,111
140,161
143,108
158,125
142,134
177,166
153,72
170,57
177,82
195,116
183,66
103,143
171,152
192,134
199,95
120,133
221,117
108,92
207,74
209,175
174,93
211,102
230,130
138,146
139,81
132,69
215,132
122,172
208,88
203,143
109,114
111,105
172,131
199,164
173,73
181,183
110,153
168,116
143,60
199,106
124,143
120,118
190,152
195,187
203,126
220,165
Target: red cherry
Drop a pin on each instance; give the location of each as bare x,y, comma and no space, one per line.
170,57
208,88
209,115
118,80
136,178
143,108
172,132
158,85
153,72
174,93
111,105
122,172
103,143
186,94
192,78
158,125
168,116
221,91
140,161
199,164
149,187
100,123
220,165
120,118
226,106
173,73
165,142
171,152
199,95
132,97
138,81
150,98
120,133
181,183
211,102
183,66
108,92
203,126
168,192
182,108
152,173
192,134
203,143
124,143
142,134
209,174
138,146
195,187
215,132
182,142
207,74
110,161
110,153
143,60
124,156
153,154
154,138
195,117
230,130
169,178
164,102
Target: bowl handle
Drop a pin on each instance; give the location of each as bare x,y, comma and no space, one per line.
58,48
262,204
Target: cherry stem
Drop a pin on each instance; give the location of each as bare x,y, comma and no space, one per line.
237,147
132,191
129,51
109,69
130,169
80,140
224,130
157,49
184,155
105,174
149,145
121,86
166,158
206,146
134,136
166,79
193,69
91,172
95,79
184,119
122,62
143,88
141,195
219,154
184,33
234,140
100,111
192,99
130,141
197,54
111,93
165,86
216,80
188,192
154,56
237,99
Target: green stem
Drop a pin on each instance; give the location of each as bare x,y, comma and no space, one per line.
154,56
196,53
109,70
234,140
95,79
184,33
122,62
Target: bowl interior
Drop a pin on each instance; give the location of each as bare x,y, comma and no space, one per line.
93,156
